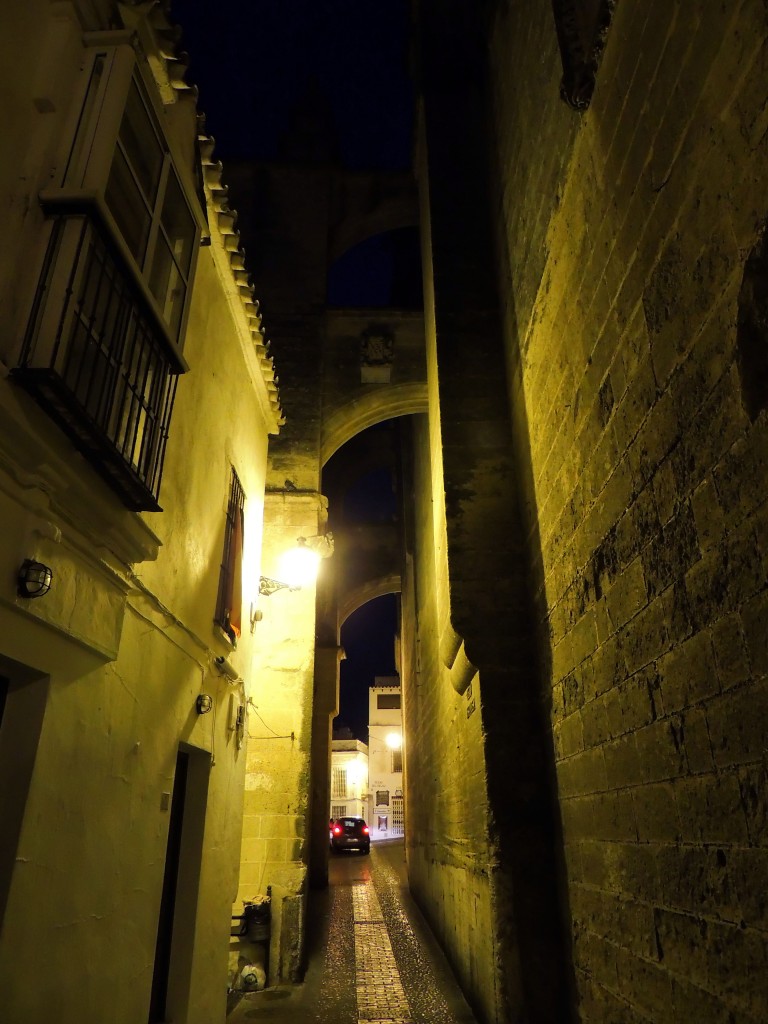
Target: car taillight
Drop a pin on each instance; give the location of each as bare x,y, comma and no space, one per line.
336,830
365,829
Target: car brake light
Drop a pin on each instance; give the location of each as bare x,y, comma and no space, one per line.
365,829
336,830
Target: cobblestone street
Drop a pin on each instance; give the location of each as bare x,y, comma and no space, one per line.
372,957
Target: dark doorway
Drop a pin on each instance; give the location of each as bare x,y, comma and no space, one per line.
170,884
172,976
23,696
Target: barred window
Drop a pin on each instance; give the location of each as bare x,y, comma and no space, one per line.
339,782
397,760
230,598
102,350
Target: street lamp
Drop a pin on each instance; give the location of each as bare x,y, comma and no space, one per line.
394,740
298,567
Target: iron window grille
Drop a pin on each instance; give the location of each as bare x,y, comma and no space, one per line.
229,599
397,760
398,815
339,782
95,361
101,354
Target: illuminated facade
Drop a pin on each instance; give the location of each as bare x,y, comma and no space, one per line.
386,757
349,779
136,389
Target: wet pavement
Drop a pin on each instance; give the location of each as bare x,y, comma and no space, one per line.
371,956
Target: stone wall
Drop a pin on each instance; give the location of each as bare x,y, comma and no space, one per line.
281,732
497,911
447,828
624,234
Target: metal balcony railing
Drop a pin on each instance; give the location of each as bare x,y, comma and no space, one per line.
97,362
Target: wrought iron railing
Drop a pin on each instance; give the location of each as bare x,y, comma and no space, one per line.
97,362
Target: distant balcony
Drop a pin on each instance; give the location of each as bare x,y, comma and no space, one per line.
97,361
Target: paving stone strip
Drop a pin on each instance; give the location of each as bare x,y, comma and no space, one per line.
380,995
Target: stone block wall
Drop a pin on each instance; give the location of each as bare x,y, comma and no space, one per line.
275,843
624,234
450,861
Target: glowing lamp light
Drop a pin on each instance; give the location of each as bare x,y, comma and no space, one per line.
394,740
298,567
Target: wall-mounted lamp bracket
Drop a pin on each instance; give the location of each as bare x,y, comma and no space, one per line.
268,586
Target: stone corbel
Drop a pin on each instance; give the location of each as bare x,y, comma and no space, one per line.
453,654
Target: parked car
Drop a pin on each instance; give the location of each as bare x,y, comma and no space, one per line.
350,834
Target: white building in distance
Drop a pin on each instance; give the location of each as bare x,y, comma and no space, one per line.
385,758
349,779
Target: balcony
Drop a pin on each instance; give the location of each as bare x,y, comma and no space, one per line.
97,361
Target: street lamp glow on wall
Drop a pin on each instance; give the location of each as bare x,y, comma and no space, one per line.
299,566
394,740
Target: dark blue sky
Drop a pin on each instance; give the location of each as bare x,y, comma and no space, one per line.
368,639
253,61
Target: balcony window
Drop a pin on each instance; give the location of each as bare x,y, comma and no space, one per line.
96,363
102,351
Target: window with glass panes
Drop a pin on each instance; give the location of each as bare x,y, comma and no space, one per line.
102,350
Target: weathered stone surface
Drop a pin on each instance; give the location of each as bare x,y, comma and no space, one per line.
645,488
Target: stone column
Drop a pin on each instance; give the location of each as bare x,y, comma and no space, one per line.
275,849
484,608
325,709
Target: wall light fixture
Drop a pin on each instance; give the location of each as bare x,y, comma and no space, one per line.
34,579
298,567
204,703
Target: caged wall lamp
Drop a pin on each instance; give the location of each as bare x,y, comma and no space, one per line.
34,579
299,566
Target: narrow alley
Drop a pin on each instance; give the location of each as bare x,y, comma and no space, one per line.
444,315
371,955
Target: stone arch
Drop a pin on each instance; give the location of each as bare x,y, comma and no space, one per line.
370,204
388,217
366,410
366,592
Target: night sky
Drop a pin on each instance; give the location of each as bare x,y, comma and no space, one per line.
368,639
253,62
